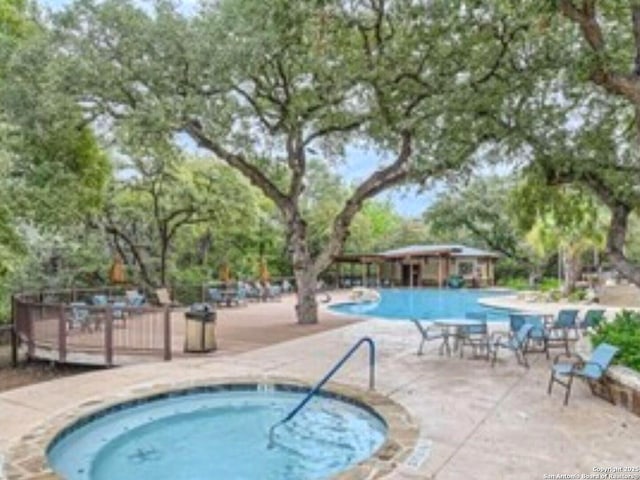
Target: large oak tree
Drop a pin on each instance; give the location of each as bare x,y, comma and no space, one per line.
266,86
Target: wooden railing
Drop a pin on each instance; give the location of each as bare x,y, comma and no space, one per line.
76,332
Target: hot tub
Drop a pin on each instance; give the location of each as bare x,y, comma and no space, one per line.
219,432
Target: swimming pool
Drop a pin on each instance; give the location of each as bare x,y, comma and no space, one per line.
425,303
219,432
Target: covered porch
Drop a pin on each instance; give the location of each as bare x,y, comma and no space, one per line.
416,266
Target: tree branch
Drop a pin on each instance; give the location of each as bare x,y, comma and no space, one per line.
393,174
240,163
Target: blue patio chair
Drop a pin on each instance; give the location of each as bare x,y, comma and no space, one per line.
475,336
593,371
426,335
100,300
79,316
537,334
559,332
592,319
215,296
516,343
135,298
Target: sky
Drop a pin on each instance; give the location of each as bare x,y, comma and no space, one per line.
409,202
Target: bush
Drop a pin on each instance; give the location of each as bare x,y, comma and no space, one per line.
578,295
548,284
624,333
514,283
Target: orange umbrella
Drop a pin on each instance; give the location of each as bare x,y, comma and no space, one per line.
264,272
225,273
116,272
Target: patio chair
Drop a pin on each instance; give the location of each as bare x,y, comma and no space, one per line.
516,343
537,335
215,296
475,336
592,319
100,300
79,317
134,298
426,335
593,371
271,292
559,332
164,298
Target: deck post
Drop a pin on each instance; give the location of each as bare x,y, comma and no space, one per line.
440,271
377,274
363,269
167,333
31,341
14,333
62,334
108,337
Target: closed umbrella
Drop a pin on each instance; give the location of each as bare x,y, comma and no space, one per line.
117,271
264,271
225,273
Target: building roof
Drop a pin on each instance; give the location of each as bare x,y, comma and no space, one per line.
425,250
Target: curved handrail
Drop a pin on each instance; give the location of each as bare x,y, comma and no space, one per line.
314,391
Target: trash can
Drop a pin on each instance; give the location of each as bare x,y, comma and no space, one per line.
200,335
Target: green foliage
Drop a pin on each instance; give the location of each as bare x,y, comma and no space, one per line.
624,333
549,284
577,295
514,283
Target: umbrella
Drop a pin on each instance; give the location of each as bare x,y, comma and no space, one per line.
225,273
264,272
116,272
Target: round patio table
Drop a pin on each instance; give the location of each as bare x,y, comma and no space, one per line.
447,324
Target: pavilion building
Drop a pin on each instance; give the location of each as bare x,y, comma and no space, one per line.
416,266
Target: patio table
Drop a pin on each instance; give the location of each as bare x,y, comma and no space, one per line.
455,324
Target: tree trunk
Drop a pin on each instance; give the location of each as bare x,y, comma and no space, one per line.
163,263
306,283
572,271
303,270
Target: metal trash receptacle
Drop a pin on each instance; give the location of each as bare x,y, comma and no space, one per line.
200,334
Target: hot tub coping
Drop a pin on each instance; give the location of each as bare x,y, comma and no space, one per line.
27,460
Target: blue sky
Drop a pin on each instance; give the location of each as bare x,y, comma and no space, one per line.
360,162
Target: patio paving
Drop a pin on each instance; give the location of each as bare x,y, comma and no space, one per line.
476,421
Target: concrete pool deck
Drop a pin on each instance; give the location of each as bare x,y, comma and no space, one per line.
475,422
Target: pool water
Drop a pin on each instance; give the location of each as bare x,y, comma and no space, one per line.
425,303
219,435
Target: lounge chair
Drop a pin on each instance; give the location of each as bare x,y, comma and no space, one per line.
475,336
135,298
559,332
516,343
591,319
426,335
164,298
593,371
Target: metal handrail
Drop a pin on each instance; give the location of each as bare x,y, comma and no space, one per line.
314,391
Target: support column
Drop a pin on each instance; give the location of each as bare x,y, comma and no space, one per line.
440,271
410,274
377,274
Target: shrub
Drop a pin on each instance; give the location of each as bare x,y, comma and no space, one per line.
515,283
624,333
578,295
548,284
